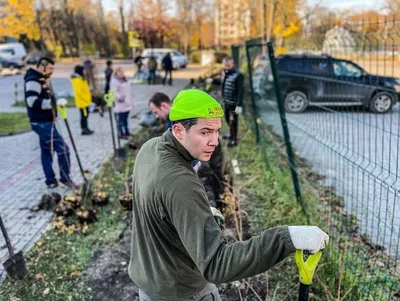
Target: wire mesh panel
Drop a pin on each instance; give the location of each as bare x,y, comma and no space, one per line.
339,89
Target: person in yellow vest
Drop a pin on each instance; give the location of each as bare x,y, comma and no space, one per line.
83,97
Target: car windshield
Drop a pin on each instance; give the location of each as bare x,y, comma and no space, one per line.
7,50
343,68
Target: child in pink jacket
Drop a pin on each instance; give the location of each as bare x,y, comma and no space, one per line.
123,101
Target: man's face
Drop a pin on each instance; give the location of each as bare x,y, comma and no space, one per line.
161,112
201,139
47,71
229,64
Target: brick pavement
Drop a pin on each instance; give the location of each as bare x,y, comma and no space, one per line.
22,178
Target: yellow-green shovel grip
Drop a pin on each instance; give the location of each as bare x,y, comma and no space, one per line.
307,269
110,98
63,111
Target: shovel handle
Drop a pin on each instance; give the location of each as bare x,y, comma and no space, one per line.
8,242
303,292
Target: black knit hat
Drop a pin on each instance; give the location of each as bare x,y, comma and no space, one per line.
79,70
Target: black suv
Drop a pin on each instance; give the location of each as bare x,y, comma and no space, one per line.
322,80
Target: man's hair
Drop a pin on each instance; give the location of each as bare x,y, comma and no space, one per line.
44,61
158,98
228,59
186,123
109,63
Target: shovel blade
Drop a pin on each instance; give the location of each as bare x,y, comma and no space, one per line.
15,266
121,153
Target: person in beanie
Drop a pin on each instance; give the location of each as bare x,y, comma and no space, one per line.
42,112
178,251
123,101
83,97
232,95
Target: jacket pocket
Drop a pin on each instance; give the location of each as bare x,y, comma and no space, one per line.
209,297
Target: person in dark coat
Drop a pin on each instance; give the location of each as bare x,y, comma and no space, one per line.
152,66
167,66
232,94
108,72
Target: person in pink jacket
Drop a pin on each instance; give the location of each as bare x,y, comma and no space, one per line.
123,101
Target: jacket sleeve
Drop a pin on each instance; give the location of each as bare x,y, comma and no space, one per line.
117,88
240,89
216,259
86,92
33,90
223,77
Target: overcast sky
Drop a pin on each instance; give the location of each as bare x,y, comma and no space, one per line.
356,5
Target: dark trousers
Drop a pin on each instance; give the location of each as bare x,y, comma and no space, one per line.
166,75
232,120
84,119
50,141
152,77
123,123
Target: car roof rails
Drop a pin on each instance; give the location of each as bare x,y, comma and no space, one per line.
308,55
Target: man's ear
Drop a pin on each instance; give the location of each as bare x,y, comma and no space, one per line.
178,130
165,106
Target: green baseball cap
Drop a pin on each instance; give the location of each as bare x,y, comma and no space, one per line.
194,103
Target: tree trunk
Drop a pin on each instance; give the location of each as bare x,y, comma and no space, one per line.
106,39
40,44
125,46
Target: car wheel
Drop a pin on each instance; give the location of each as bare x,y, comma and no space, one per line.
296,102
381,103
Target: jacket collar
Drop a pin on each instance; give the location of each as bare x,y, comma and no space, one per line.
232,71
175,146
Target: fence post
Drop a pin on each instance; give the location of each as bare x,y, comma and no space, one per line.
253,103
289,149
16,93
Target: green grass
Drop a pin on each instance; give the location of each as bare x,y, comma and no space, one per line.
21,103
13,123
57,261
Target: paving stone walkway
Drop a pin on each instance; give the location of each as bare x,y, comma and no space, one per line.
22,178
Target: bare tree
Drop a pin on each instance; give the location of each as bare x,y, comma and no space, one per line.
185,16
106,38
121,9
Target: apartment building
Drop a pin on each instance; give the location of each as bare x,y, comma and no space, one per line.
232,22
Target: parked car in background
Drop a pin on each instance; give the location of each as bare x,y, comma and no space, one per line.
322,80
178,59
182,59
33,58
11,67
13,52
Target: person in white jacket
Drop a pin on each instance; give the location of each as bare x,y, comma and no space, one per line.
123,101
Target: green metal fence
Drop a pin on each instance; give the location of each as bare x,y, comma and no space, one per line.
327,99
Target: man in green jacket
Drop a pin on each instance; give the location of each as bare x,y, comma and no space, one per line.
178,251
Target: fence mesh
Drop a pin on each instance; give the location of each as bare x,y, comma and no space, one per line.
339,90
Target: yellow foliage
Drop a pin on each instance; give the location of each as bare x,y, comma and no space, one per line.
286,19
18,17
281,51
291,30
